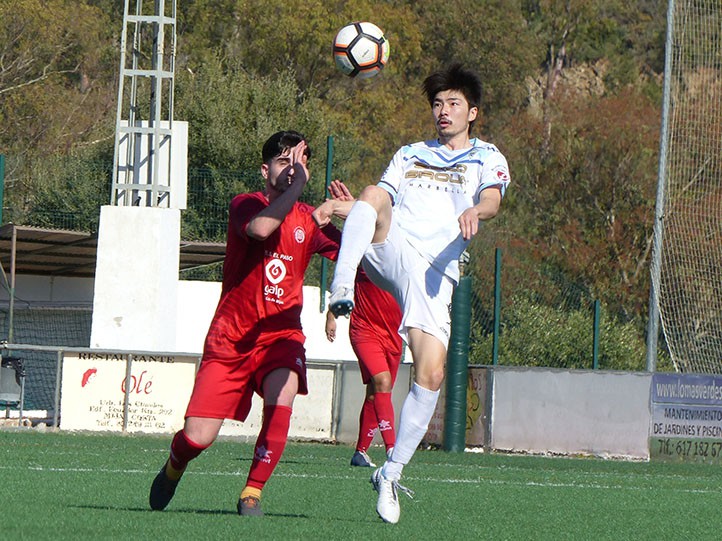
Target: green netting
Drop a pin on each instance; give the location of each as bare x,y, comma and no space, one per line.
45,327
545,319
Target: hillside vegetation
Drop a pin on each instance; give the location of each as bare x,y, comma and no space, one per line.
572,97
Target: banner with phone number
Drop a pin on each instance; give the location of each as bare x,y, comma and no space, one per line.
686,420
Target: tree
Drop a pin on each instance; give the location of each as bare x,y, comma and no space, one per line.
56,87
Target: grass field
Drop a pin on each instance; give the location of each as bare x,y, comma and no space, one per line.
82,486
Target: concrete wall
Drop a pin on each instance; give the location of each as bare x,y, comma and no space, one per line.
196,304
535,410
136,279
600,413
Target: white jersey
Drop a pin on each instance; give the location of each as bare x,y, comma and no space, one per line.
431,185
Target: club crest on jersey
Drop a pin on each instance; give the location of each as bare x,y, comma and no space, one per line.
299,234
501,174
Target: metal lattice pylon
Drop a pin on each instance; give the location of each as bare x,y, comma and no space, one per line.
144,120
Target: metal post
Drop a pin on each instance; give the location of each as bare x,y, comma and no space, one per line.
497,306
324,261
13,257
653,323
58,372
457,368
2,186
21,405
595,340
126,396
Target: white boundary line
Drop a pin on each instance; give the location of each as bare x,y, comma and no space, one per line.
478,481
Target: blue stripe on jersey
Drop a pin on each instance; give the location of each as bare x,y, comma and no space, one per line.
393,192
440,156
388,187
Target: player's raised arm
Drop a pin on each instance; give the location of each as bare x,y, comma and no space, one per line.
286,177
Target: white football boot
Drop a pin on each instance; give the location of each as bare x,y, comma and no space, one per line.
387,505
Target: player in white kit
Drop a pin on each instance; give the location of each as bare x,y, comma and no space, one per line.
408,232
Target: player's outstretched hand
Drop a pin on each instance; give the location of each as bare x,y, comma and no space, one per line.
339,191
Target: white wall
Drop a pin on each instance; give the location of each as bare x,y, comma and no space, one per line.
537,410
197,302
595,412
136,279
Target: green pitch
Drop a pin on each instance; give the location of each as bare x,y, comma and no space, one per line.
77,486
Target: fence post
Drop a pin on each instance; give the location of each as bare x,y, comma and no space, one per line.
324,261
497,306
595,346
58,372
457,369
2,186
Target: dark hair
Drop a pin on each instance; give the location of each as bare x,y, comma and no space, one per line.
455,77
280,142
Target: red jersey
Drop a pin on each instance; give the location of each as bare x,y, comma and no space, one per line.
376,315
263,280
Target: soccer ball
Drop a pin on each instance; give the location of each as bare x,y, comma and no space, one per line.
360,50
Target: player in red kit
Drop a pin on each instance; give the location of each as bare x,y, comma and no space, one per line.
375,339
255,342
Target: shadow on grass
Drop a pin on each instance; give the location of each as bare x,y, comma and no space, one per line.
184,511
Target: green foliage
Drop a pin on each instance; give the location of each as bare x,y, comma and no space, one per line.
66,193
534,334
571,97
232,112
56,76
490,37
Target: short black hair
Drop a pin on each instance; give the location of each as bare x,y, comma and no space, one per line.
280,142
455,77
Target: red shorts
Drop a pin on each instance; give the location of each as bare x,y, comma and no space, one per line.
375,357
223,389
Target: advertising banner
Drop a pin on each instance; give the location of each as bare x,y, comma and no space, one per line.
686,420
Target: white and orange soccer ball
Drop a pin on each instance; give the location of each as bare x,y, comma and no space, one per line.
361,50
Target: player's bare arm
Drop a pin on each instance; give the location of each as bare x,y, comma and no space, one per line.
329,208
286,177
330,326
486,209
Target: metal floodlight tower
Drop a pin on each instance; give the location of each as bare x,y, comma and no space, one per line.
144,120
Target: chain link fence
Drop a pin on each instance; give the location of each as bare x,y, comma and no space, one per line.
529,314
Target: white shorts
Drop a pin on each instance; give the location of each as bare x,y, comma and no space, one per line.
423,292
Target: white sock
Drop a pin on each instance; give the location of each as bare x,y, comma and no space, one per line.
414,419
358,232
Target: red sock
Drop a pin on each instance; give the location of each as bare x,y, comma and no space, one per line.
270,444
367,425
385,414
183,450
